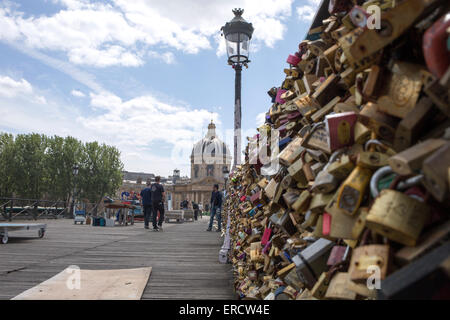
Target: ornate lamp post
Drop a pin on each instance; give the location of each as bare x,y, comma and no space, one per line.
75,174
238,34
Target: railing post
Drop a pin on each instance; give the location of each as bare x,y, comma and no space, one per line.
11,210
35,210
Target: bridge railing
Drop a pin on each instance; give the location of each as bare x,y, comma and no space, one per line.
19,208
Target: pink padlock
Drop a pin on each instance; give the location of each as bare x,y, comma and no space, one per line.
266,236
293,60
326,225
278,98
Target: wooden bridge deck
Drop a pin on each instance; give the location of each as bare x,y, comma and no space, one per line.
184,257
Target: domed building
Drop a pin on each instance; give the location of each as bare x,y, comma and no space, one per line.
208,158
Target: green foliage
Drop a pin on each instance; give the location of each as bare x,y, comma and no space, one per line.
36,166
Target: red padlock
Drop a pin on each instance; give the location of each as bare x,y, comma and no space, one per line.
293,60
266,236
435,52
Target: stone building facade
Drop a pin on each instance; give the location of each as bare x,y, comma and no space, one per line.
208,158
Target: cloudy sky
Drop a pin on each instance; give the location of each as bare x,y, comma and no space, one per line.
144,75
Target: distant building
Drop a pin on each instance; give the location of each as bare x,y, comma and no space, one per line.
208,158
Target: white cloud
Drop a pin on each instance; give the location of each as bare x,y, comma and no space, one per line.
308,11
120,32
77,93
10,88
167,57
134,125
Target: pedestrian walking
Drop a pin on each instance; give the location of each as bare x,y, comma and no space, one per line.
158,198
216,208
196,209
146,203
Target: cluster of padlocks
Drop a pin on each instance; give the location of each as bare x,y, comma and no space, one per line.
344,191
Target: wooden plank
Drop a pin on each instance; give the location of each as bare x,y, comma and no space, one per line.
184,258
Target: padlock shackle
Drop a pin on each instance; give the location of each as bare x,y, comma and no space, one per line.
380,173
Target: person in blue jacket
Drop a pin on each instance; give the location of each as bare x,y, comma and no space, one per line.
146,202
216,208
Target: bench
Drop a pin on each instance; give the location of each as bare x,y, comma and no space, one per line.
179,215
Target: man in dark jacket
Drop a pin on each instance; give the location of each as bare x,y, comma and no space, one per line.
146,202
158,198
216,208
196,209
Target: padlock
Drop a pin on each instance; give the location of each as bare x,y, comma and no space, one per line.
372,160
310,219
311,262
302,202
360,223
341,168
321,286
319,201
434,46
317,138
296,171
435,170
398,217
382,124
367,257
373,82
410,160
337,255
353,189
321,113
327,90
411,126
309,174
341,223
372,40
326,182
292,152
292,280
340,128
400,94
338,287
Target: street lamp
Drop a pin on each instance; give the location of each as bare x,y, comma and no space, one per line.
226,173
75,174
238,34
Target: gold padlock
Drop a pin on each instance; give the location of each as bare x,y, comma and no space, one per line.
372,160
398,217
352,190
366,257
341,168
338,287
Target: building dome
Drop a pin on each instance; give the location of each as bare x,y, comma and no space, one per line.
211,149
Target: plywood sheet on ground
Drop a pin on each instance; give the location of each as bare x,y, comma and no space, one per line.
79,284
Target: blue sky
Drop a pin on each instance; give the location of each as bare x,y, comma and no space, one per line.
145,75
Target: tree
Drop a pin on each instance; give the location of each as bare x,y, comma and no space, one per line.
100,171
6,165
61,156
29,169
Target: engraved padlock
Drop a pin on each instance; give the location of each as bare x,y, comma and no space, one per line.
397,216
353,189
